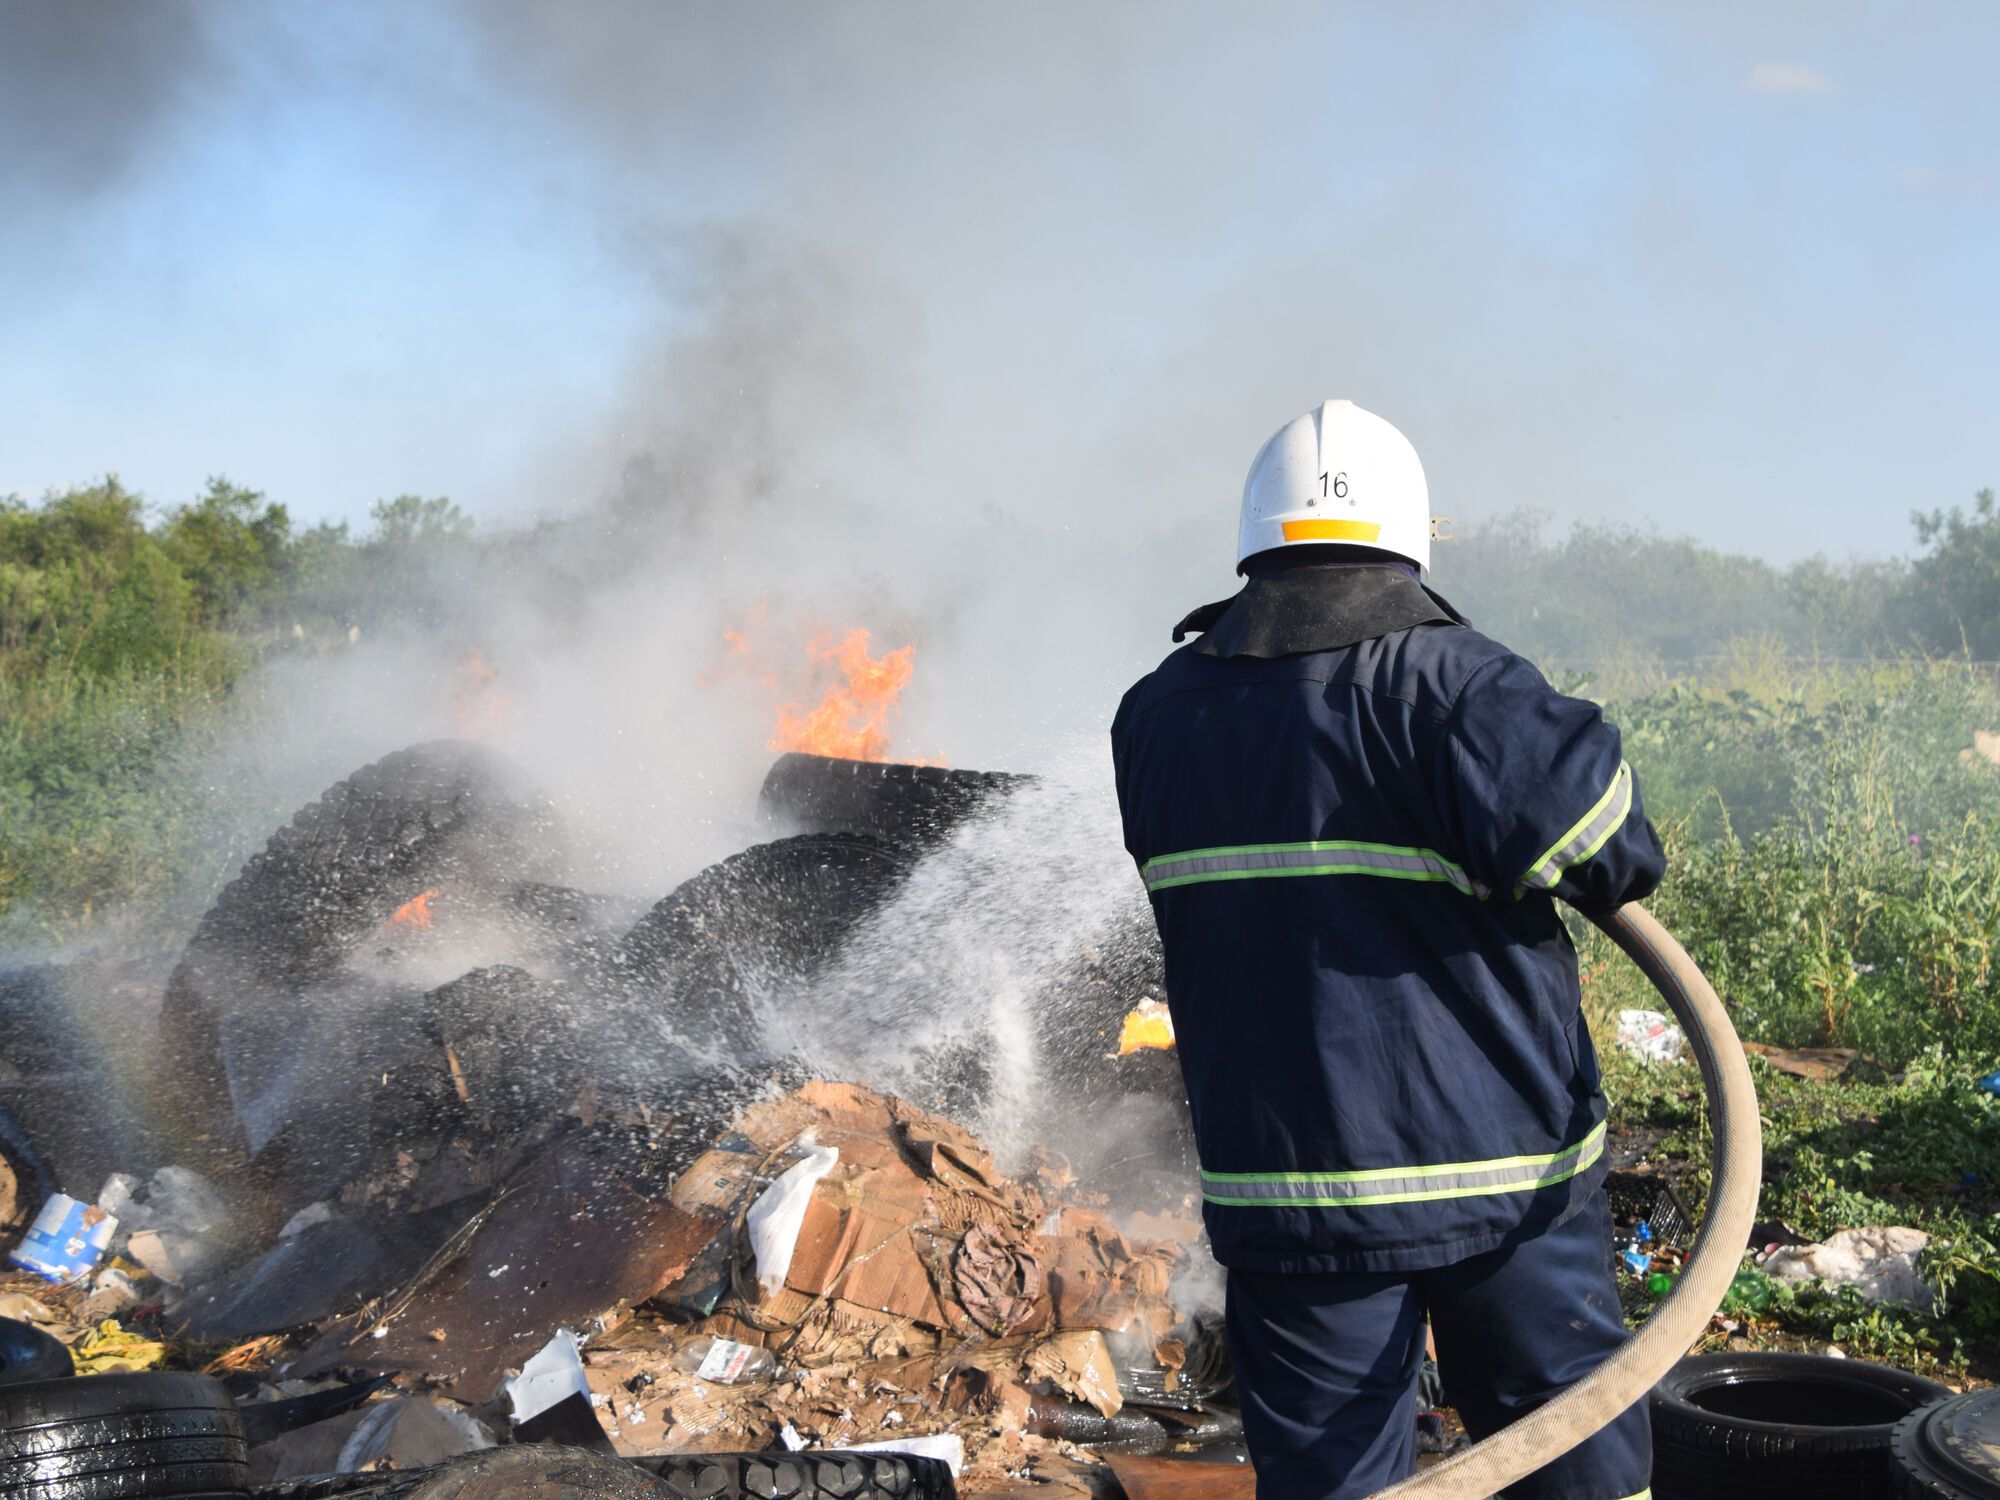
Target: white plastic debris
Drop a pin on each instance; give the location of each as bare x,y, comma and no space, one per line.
410,1433
119,1197
725,1362
554,1374
168,1254
1879,1263
179,1224
775,1219
305,1218
948,1446
183,1199
1650,1036
111,1292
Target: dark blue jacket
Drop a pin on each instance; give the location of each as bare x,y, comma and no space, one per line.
1352,813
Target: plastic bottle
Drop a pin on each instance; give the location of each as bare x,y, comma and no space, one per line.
1639,1260
726,1362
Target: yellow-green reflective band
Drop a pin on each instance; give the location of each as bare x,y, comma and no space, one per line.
1587,837
1323,857
1458,1179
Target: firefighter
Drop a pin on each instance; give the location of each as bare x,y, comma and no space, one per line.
1354,815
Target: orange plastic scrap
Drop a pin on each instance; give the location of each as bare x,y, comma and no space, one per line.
1147,1024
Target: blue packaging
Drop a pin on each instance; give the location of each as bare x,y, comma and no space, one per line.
66,1241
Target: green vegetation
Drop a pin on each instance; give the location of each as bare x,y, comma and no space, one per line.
1835,872
1624,594
1921,1149
122,638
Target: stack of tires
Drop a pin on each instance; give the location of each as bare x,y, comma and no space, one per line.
1769,1425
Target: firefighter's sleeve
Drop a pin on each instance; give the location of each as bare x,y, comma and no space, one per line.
1535,788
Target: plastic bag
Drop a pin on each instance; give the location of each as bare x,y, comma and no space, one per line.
775,1219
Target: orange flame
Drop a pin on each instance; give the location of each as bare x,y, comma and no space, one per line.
852,719
477,703
1147,1024
415,912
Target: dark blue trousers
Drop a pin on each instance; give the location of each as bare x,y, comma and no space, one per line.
1326,1365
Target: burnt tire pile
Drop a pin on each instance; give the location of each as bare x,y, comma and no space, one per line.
442,814
119,1437
1763,1425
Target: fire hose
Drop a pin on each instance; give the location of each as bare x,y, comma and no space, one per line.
1552,1430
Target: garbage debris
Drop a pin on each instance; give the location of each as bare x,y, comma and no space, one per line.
176,1226
1879,1263
568,1242
726,1362
1651,1036
411,1211
1147,1024
776,1217
110,1349
111,1293
66,1241
1817,1064
404,1432
306,1218
556,1372
948,1448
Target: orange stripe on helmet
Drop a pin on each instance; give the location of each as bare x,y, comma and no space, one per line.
1332,531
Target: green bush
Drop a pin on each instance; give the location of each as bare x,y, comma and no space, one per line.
121,645
1862,906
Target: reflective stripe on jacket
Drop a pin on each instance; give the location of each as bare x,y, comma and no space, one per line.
1351,854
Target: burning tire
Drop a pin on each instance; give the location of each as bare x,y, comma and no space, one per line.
753,926
448,817
1726,1425
912,806
113,1436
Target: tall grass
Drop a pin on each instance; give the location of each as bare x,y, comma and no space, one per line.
1833,861
92,817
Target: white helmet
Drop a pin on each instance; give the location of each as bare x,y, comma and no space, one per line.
1338,474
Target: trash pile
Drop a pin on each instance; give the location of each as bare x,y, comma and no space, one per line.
430,1153
833,1269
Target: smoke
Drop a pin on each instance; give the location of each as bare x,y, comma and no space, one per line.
958,324
89,92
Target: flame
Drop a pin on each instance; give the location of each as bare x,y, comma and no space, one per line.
852,719
477,704
1147,1024
415,912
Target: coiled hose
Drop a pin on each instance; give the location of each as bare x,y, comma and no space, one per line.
1515,1452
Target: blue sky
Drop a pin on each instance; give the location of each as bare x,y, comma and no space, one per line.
1721,269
